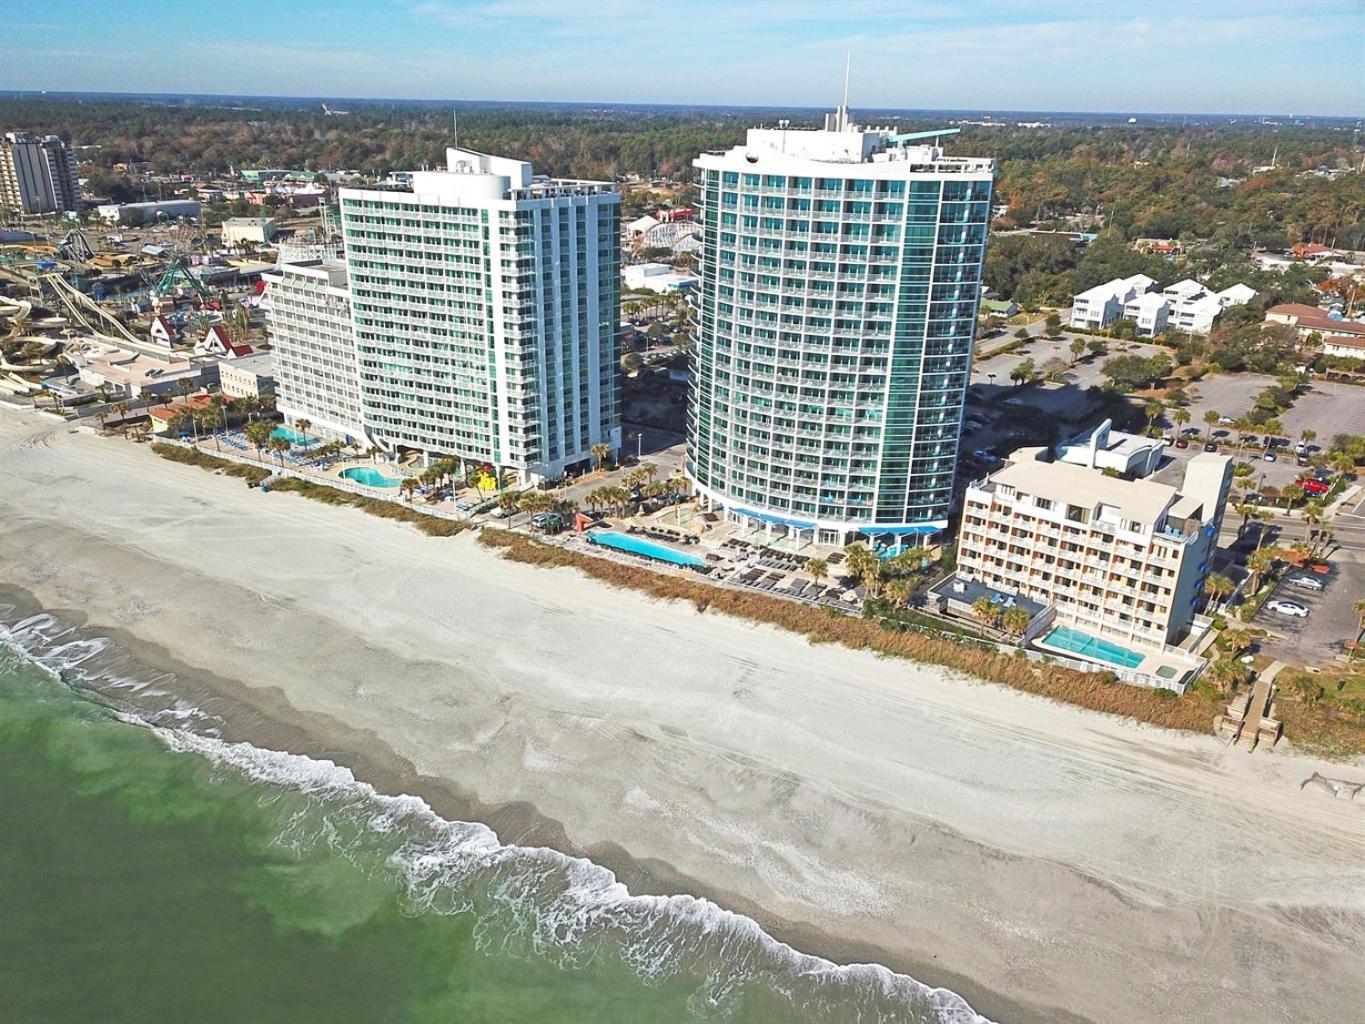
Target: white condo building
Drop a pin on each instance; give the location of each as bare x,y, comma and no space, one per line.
486,303
474,315
840,276
308,310
1122,560
1098,307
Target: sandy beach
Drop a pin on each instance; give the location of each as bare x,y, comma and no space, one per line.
1045,862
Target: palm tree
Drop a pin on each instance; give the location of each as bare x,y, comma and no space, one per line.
1181,417
1259,562
279,446
1343,463
303,425
258,434
599,453
986,610
1077,347
899,591
407,487
122,408
1211,418
1313,512
1236,641
1016,620
818,568
1218,587
1227,673
507,501
1153,408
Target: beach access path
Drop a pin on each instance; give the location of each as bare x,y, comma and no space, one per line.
1046,862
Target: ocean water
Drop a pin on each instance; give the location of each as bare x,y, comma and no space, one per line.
151,871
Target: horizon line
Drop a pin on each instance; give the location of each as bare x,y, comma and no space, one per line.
375,100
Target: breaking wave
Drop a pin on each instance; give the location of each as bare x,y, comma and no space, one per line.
525,901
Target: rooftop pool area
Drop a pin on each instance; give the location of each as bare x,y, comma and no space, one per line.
370,477
293,437
1094,648
640,546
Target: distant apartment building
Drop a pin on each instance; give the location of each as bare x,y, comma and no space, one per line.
1098,307
37,175
840,281
1193,308
248,377
258,230
656,277
149,212
1309,320
308,316
1345,346
1185,306
1124,559
486,302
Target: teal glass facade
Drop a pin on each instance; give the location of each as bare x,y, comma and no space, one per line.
836,316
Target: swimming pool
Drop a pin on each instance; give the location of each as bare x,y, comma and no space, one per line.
294,437
637,546
370,477
1093,647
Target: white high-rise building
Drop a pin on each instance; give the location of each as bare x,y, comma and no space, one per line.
485,302
308,310
37,175
840,276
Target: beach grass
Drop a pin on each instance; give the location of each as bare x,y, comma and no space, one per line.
1095,691
432,526
194,457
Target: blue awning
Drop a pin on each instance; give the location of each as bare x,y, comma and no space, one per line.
767,517
917,528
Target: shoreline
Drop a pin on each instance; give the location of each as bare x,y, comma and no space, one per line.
262,716
1056,857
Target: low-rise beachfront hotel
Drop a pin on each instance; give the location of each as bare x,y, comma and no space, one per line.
482,310
840,276
1111,561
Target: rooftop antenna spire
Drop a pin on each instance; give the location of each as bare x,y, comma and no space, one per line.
843,109
455,116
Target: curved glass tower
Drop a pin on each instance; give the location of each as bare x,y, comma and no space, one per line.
840,274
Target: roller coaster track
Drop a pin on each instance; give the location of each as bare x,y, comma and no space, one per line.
86,312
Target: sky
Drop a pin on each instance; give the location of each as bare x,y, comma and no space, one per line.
1138,56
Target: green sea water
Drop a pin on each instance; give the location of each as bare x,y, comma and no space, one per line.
149,875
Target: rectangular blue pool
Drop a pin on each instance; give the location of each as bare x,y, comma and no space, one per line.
1093,647
639,546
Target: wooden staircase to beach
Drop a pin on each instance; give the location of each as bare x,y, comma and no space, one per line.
1250,718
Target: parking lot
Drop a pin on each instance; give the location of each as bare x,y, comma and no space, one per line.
1331,620
1085,373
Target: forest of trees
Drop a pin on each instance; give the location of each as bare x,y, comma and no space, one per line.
1144,180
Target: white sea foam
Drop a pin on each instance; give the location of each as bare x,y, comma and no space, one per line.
526,899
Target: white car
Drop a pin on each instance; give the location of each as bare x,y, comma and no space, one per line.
1291,608
1306,583
1016,402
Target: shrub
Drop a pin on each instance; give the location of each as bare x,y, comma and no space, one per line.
194,457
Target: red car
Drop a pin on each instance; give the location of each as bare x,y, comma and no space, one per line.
1314,487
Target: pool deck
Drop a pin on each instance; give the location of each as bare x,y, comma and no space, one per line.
1178,665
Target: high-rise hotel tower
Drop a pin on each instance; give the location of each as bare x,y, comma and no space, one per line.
841,273
479,318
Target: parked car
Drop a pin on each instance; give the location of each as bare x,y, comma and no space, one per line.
1306,583
1211,446
1183,442
1226,421
503,513
1314,487
1290,608
985,455
1269,456
1018,403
